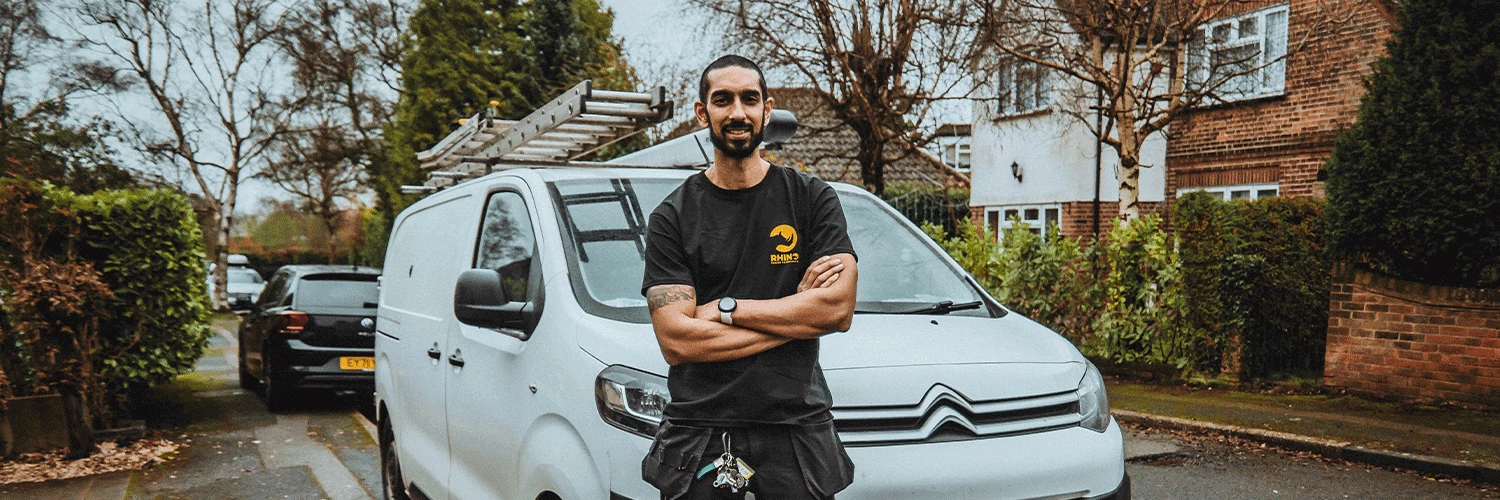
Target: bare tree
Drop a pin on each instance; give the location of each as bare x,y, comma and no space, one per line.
22,35
209,74
345,57
318,165
879,66
1145,63
26,45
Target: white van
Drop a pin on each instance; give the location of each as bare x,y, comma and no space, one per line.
516,359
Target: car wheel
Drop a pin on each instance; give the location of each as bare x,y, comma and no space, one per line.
278,395
247,381
391,484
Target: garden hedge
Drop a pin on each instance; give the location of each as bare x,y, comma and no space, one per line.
1241,286
149,249
1259,273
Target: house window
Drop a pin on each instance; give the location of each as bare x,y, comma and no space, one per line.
956,155
1036,217
1242,57
1239,192
1022,88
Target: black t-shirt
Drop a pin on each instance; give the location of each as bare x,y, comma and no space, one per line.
752,243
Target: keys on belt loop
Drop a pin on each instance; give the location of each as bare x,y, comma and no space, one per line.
734,473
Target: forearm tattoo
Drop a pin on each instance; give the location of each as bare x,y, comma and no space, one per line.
661,295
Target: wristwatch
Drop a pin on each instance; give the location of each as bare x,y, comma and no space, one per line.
726,306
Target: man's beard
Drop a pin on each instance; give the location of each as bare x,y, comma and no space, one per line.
739,149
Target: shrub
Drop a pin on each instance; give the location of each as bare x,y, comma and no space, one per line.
975,249
53,310
1414,184
1049,280
1260,275
1241,286
149,249
1143,304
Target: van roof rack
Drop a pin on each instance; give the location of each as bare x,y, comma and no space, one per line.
576,123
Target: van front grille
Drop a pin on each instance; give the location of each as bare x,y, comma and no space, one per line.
946,415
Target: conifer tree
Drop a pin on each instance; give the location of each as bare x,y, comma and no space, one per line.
1414,185
463,54
466,53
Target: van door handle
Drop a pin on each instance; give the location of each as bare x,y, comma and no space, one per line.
434,353
456,359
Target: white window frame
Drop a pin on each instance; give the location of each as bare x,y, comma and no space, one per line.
1237,191
997,222
1012,99
958,155
1251,30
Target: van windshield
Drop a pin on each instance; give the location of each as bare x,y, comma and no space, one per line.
604,223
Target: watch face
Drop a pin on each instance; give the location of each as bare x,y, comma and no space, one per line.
726,304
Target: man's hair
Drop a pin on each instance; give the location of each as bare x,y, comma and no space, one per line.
725,62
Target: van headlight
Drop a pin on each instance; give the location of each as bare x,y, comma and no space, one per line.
631,399
1093,403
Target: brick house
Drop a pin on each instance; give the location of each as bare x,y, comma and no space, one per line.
1268,134
1272,136
826,148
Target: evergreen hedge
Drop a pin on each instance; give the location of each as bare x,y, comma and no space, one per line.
1414,185
149,249
1259,272
1241,286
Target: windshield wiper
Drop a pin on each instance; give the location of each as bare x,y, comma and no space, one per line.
943,307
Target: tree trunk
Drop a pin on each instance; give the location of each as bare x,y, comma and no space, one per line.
871,165
333,242
218,294
80,432
1129,173
221,254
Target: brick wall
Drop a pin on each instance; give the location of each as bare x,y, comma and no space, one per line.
1286,139
1407,340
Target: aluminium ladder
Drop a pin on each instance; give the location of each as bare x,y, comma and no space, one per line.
576,123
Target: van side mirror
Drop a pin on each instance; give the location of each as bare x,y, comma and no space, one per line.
782,127
479,300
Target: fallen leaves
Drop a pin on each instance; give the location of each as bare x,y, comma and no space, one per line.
109,457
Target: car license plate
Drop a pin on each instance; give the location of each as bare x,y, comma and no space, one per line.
356,363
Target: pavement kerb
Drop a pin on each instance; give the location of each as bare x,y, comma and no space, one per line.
1342,450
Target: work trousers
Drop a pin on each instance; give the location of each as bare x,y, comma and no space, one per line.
790,462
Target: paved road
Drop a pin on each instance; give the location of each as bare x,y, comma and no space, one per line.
235,449
1208,468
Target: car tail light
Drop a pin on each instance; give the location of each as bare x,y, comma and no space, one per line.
291,322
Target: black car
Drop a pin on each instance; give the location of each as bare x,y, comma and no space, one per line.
313,328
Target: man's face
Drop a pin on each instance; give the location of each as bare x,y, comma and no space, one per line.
735,112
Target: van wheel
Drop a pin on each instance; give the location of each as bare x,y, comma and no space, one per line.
391,484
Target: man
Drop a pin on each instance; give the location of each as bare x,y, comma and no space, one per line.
747,264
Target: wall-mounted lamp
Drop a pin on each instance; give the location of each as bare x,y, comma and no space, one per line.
1015,170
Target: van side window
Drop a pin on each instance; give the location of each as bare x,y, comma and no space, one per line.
506,242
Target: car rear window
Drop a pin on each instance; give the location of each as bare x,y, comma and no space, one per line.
338,291
244,275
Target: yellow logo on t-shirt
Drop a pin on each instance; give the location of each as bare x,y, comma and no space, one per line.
786,256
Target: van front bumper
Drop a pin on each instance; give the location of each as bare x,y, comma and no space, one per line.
1073,463
1061,464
